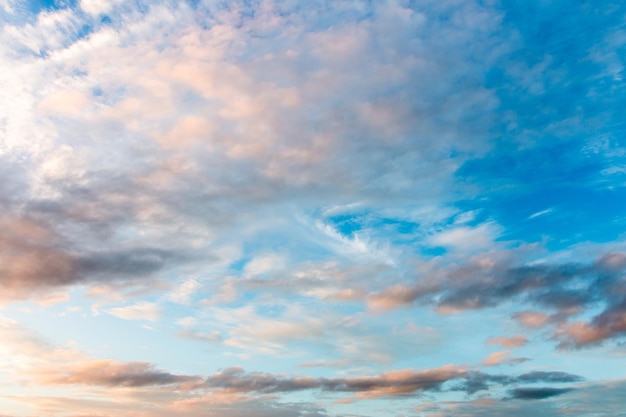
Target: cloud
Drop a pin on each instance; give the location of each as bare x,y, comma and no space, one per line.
480,381
120,387
211,337
343,281
396,383
184,292
263,264
98,7
156,128
234,122
537,393
110,373
603,399
540,213
466,238
532,319
54,365
32,257
501,358
608,324
567,289
508,342
548,376
39,259
399,295
140,311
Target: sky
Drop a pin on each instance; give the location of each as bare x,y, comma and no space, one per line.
289,208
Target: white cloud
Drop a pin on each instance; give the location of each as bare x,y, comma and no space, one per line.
6,5
467,237
98,7
263,264
184,292
140,311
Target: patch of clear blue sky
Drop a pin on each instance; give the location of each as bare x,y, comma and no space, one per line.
38,6
350,223
562,109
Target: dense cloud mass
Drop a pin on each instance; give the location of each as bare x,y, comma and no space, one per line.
302,208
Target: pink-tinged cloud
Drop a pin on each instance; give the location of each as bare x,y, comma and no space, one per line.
532,319
394,383
110,373
508,342
397,296
141,384
580,334
612,262
36,260
31,258
501,358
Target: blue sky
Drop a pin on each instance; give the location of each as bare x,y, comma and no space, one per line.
312,209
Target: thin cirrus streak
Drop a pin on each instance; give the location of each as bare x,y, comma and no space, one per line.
287,208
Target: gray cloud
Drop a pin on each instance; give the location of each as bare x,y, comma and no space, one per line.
129,263
565,289
537,393
36,258
109,373
236,380
396,383
479,381
552,376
